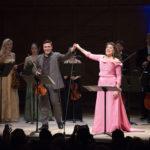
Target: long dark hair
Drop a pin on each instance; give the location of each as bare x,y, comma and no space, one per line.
116,53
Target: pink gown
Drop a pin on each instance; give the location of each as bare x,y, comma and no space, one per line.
116,117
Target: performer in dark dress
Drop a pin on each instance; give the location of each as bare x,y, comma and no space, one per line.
74,109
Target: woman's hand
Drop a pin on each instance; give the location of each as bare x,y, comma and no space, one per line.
148,58
145,64
15,66
116,94
80,48
76,45
65,77
37,73
73,48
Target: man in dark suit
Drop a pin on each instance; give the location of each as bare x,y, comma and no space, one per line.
48,62
143,62
120,45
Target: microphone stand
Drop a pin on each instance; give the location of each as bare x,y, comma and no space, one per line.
37,105
68,95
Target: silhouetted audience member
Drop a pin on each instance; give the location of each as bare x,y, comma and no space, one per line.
79,140
45,135
6,134
58,142
18,140
45,139
117,140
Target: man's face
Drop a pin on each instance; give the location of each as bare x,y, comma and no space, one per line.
47,47
148,40
119,47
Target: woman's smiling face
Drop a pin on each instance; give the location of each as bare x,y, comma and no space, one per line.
109,51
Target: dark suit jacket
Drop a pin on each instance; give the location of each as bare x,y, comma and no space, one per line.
126,64
141,57
54,72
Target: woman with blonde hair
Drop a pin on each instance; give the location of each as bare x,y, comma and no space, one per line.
9,96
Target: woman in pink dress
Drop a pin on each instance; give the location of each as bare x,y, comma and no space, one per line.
110,75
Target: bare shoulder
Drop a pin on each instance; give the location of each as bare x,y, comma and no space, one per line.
116,59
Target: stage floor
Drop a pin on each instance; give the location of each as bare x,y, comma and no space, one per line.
87,119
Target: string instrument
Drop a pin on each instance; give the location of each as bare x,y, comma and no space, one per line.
15,78
131,55
39,89
146,83
74,92
123,94
147,101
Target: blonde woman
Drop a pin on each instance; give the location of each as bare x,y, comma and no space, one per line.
9,96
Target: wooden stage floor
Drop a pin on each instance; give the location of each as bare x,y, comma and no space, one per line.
88,119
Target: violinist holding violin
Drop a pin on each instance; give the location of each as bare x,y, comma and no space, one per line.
48,62
9,101
74,110
143,62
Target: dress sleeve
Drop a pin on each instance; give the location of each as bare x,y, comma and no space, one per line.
118,67
93,56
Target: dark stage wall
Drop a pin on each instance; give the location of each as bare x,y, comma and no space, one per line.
91,23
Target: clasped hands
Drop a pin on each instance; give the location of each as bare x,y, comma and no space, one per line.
74,47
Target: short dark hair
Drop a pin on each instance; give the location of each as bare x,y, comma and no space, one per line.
48,41
121,42
148,34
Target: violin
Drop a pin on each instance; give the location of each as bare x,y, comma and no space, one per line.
41,90
74,94
147,101
147,98
15,80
